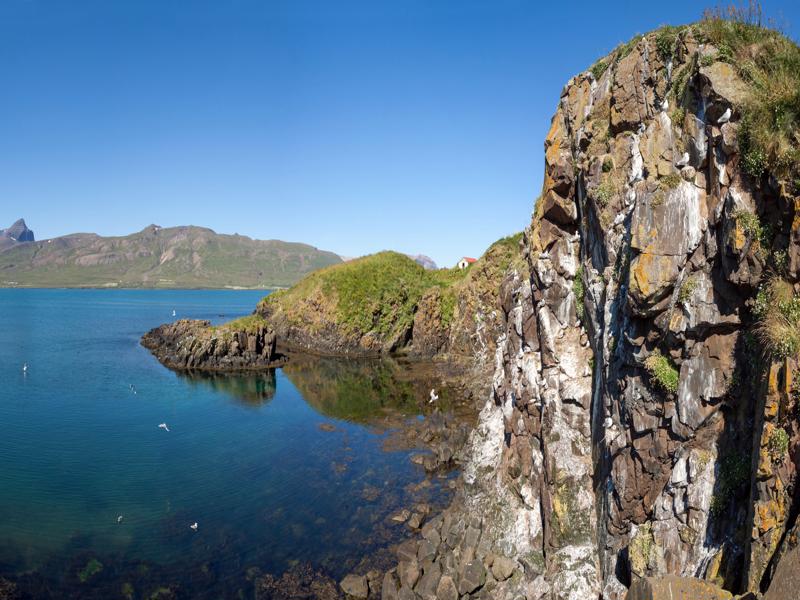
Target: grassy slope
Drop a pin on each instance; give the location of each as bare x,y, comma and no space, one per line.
376,297
174,257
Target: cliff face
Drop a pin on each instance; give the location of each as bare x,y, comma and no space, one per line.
643,421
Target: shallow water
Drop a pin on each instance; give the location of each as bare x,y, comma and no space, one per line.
275,468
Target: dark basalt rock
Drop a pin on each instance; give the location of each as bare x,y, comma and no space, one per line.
196,345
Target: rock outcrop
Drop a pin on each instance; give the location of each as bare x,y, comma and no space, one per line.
638,432
197,345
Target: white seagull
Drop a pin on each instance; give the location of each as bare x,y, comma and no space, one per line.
163,426
434,397
193,526
119,519
24,367
173,312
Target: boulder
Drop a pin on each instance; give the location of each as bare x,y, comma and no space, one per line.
471,577
355,586
672,587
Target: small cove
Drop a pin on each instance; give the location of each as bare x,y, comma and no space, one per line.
277,468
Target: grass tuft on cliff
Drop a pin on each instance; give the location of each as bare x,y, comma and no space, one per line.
662,371
777,312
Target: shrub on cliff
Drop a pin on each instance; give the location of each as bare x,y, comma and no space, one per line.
777,312
662,371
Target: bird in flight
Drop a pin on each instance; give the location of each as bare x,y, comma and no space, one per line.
163,426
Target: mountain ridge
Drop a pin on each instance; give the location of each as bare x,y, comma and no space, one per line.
186,256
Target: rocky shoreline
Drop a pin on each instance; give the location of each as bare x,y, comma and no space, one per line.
197,345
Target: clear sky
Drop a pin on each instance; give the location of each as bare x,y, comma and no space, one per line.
414,125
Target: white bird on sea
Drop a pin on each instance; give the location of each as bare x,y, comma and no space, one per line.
119,519
173,312
434,397
163,426
193,526
24,367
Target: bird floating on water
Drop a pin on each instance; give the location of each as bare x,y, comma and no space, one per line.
24,367
163,426
193,526
119,519
434,397
173,312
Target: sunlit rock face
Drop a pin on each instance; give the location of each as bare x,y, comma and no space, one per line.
628,432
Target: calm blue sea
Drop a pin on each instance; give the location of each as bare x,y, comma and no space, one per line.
245,457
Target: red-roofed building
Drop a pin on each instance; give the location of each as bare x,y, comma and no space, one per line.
465,262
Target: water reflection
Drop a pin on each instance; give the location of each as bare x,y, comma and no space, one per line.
252,389
360,391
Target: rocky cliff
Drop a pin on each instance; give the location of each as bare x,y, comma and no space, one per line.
186,345
643,420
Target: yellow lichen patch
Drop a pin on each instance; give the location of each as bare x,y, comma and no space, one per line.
796,220
641,279
774,379
739,236
767,516
553,141
714,566
764,456
676,321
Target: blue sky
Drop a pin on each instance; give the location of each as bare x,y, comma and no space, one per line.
414,125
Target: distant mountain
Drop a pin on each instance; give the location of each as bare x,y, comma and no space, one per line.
425,261
18,232
156,257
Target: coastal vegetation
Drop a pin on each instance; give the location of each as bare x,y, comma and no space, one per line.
372,302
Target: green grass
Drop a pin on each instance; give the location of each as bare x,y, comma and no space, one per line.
604,193
662,371
599,68
769,63
249,324
666,38
778,444
687,289
777,312
378,295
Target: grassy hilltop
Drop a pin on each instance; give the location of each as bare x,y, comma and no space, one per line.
387,302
